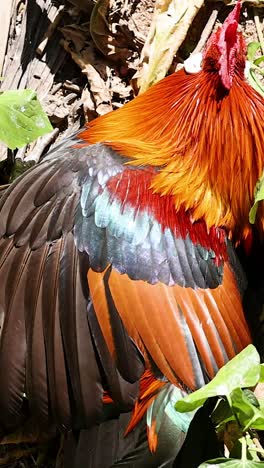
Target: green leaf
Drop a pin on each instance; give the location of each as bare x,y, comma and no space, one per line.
247,414
261,378
254,69
242,371
22,119
255,82
231,463
222,413
259,196
252,48
259,60
251,397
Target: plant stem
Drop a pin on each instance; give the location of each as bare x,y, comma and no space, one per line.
258,69
244,449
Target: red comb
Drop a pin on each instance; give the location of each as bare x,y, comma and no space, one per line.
227,44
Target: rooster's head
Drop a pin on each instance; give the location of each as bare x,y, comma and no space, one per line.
226,50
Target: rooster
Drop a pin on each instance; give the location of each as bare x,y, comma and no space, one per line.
120,284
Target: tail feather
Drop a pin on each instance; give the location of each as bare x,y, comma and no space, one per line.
121,392
126,439
104,446
100,446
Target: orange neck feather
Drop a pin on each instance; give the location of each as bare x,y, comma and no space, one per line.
207,145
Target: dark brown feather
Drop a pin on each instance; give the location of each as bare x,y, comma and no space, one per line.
36,371
123,393
80,357
56,366
13,336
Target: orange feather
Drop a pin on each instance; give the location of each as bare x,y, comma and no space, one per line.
214,313
209,147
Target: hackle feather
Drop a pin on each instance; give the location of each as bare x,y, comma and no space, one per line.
205,142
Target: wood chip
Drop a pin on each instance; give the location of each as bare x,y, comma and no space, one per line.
5,17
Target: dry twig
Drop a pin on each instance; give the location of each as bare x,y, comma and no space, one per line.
41,145
5,18
207,31
53,25
259,30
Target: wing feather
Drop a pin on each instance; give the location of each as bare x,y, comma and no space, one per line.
80,357
152,308
123,393
36,372
56,366
128,359
186,331
46,347
16,207
165,292
13,336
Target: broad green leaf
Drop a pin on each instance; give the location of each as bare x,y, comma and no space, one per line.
22,119
231,463
252,48
261,404
222,413
261,378
247,414
251,397
242,371
259,196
